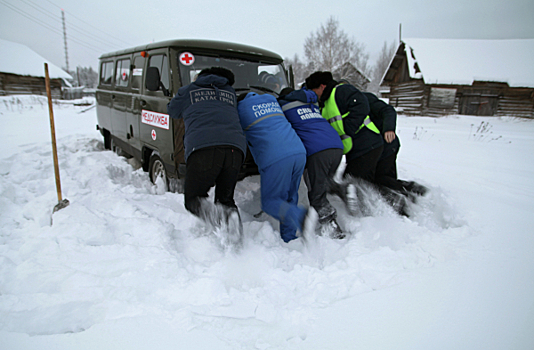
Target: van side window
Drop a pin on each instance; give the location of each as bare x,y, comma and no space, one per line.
106,73
162,64
123,73
137,72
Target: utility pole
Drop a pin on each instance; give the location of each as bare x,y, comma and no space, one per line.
400,33
65,39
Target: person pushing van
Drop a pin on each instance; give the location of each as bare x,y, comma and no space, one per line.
215,147
324,151
281,157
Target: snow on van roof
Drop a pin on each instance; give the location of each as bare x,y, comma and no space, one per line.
462,61
20,59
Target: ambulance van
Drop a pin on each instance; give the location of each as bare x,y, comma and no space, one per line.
136,84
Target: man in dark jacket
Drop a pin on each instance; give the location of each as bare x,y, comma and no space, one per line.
324,151
214,143
384,117
347,110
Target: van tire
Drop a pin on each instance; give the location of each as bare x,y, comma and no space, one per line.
156,169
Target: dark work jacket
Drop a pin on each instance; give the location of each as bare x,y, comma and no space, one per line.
302,111
351,100
209,109
385,118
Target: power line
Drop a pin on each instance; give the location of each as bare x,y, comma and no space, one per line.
72,25
30,17
121,40
56,18
45,25
42,10
73,38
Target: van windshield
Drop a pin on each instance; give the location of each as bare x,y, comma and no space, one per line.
248,74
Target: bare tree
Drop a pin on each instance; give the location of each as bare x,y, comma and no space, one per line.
330,48
382,64
300,69
85,76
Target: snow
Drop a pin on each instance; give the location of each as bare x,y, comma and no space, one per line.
125,266
462,61
21,60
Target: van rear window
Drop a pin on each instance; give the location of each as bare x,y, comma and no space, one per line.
106,73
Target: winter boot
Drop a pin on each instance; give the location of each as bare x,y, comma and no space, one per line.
211,213
328,226
331,229
397,200
399,203
402,207
309,224
326,213
234,228
351,199
414,187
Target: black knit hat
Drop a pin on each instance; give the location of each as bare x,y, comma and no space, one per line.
220,71
286,91
316,79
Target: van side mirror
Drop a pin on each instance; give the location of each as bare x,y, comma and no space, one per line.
152,79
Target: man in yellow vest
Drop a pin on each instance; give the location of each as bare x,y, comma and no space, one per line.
347,110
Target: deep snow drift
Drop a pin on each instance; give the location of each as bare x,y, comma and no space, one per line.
125,266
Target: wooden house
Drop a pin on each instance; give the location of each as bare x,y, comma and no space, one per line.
352,75
436,77
22,72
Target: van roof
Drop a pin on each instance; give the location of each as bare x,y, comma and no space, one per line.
208,45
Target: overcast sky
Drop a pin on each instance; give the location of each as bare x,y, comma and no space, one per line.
94,27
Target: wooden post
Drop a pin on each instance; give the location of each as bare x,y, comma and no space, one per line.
61,203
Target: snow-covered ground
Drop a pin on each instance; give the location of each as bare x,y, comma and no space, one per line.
124,267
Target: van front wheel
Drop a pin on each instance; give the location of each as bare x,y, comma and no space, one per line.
157,172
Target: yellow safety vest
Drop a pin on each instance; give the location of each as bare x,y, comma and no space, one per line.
331,113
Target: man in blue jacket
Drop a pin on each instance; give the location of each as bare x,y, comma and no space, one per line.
214,143
281,157
324,151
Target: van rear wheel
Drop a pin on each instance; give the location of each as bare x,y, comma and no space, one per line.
157,172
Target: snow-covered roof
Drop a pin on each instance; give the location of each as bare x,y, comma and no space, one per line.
20,59
461,61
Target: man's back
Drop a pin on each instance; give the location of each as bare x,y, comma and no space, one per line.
269,134
208,107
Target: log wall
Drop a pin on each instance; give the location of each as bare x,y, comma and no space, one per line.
412,98
13,84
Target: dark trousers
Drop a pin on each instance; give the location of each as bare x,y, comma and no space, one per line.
211,166
386,173
320,170
364,167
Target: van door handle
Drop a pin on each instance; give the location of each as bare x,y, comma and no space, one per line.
142,103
